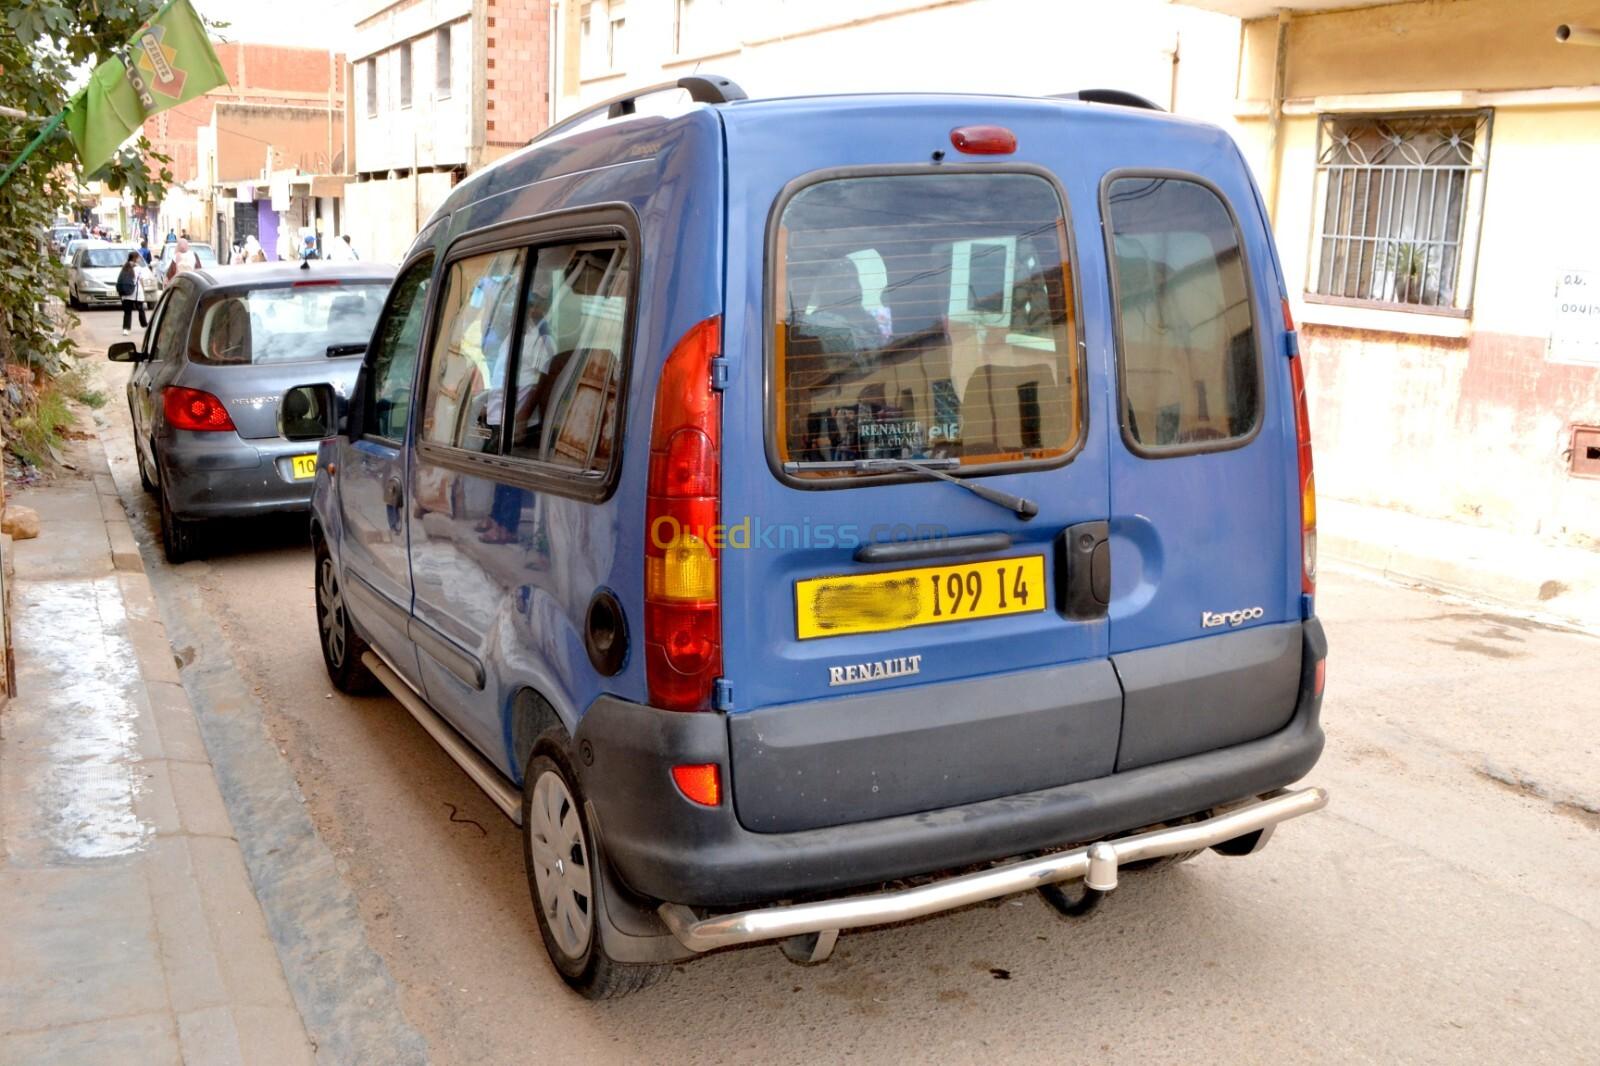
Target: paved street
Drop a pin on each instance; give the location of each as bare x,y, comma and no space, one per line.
1446,907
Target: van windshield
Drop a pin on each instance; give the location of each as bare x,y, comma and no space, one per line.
926,316
288,322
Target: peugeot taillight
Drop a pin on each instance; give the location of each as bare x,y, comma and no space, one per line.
194,409
683,618
1307,480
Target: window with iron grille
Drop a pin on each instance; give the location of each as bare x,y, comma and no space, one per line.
1401,198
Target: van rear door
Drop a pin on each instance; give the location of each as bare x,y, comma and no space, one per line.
1206,610
895,643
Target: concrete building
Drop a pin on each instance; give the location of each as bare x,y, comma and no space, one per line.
442,87
1430,168
1176,56
279,118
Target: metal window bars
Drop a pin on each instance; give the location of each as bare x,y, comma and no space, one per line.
1401,200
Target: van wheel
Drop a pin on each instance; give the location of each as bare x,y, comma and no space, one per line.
342,646
558,848
180,538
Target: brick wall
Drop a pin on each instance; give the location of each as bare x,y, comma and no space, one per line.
257,74
517,93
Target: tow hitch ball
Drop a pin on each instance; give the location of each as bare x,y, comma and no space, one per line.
1101,878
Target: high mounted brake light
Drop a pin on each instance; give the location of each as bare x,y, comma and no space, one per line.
983,140
683,618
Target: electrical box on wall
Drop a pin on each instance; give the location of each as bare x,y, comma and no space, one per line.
1586,451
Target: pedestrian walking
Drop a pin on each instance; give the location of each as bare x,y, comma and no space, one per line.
253,252
340,250
144,252
149,287
183,258
131,292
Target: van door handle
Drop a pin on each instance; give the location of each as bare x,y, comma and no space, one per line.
1083,570
391,492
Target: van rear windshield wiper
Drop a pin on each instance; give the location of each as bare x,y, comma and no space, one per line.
933,469
336,350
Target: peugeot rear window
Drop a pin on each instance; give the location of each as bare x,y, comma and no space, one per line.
924,316
286,323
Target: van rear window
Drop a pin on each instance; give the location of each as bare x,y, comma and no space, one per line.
1190,373
926,316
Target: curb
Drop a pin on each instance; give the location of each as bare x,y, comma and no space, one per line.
1574,602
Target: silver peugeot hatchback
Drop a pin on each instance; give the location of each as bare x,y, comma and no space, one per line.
221,349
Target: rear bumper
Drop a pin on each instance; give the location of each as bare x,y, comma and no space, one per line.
666,848
1097,865
222,475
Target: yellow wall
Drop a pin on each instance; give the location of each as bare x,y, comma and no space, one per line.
1540,215
1435,44
1477,425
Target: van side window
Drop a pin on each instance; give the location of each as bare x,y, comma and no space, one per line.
464,405
395,344
569,364
1187,344
924,316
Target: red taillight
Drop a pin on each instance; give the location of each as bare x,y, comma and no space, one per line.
682,615
1307,481
193,409
983,140
701,783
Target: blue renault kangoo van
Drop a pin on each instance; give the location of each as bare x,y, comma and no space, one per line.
807,514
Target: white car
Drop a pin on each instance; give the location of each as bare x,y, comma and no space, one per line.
92,273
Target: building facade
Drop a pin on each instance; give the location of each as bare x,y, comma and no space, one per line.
1171,55
1429,167
278,122
441,88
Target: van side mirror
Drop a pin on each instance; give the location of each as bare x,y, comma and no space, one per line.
123,352
311,412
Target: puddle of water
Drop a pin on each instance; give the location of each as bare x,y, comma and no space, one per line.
72,734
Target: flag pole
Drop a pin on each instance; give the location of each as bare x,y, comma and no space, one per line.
33,146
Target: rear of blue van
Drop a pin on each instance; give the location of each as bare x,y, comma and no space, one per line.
994,531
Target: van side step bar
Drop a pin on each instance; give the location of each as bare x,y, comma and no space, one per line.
503,793
1096,864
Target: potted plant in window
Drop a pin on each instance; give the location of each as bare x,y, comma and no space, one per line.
1409,264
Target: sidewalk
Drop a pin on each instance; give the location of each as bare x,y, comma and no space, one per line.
129,927
1519,570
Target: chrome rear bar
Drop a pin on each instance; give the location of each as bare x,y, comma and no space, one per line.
1096,864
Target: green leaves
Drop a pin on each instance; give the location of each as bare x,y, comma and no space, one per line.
43,43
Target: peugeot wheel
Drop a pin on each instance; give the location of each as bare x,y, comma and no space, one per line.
180,537
563,876
342,646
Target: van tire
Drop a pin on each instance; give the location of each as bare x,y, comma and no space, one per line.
553,814
342,647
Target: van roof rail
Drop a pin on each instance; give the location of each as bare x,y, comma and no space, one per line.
702,89
1119,97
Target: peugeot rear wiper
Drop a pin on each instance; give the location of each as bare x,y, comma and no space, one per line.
933,469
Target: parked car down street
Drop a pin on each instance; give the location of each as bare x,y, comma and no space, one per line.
223,345
92,274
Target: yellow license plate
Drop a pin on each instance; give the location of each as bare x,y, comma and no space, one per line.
899,599
305,466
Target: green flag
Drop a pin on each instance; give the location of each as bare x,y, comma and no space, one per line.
168,61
